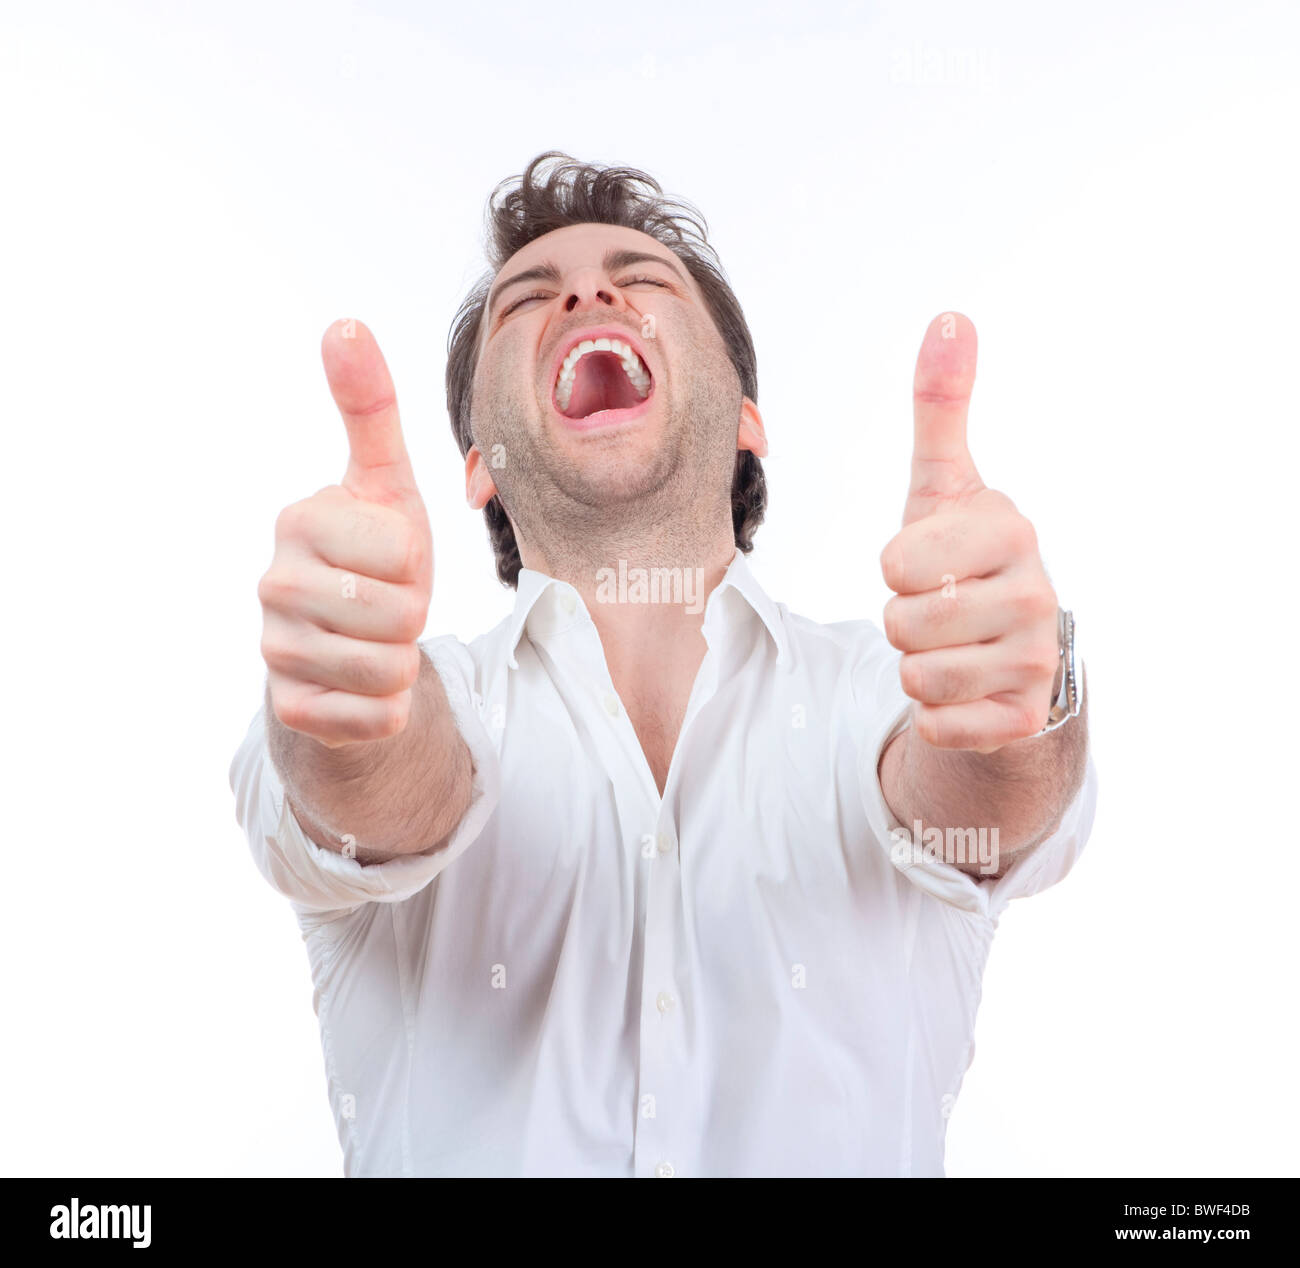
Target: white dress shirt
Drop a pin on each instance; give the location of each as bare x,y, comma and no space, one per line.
746,976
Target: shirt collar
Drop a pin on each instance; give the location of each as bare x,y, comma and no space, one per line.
545,604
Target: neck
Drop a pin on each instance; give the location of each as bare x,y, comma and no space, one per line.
646,590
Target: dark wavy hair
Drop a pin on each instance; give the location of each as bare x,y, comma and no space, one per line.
553,192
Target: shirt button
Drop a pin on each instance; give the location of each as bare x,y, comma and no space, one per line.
665,1171
568,602
610,701
665,843
665,1002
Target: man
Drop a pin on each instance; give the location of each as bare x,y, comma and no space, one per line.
655,878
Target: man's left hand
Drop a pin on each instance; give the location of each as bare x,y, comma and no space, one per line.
973,610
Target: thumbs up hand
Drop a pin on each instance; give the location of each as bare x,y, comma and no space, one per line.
346,596
973,610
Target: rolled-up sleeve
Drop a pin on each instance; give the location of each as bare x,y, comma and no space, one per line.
329,884
1035,870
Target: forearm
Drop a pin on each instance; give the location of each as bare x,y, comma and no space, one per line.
1021,790
382,798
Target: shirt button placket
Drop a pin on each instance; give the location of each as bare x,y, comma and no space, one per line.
664,1069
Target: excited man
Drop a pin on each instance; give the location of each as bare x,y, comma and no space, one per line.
635,885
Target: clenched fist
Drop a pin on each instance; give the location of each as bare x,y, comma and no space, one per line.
345,598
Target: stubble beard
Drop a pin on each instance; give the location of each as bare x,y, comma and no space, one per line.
667,509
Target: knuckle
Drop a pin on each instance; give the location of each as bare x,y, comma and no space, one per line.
276,588
274,652
1035,603
410,669
394,714
332,499
415,552
1047,660
289,523
1023,535
893,618
1037,660
928,728
312,515
1026,721
408,619
912,675
891,565
292,711
996,500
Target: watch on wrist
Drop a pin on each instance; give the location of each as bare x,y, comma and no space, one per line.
1067,690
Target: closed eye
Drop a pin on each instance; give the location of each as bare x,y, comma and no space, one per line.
626,281
633,281
522,300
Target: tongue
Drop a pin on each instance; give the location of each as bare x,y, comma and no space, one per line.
600,382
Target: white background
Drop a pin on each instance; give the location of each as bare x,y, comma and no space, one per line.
191,194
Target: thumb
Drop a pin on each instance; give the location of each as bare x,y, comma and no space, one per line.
942,467
379,469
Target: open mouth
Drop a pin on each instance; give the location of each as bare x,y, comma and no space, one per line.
601,375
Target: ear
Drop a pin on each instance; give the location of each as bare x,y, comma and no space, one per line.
479,486
751,435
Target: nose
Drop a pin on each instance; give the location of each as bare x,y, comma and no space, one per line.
589,288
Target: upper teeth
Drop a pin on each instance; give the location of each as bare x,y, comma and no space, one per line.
632,367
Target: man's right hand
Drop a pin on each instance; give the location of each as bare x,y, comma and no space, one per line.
346,596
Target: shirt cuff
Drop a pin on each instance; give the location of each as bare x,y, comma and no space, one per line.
329,884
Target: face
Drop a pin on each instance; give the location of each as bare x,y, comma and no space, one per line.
648,417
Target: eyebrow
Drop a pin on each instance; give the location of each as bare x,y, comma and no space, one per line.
615,258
